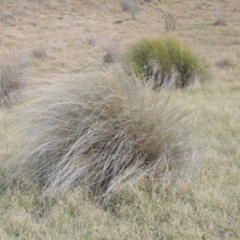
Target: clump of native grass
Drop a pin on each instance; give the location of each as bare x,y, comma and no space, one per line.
98,132
12,81
164,63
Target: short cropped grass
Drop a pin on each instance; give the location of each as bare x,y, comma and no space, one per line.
100,132
165,63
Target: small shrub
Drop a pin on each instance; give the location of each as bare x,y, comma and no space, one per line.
108,58
111,53
100,132
170,21
224,63
164,63
131,6
91,40
5,16
39,53
221,21
11,81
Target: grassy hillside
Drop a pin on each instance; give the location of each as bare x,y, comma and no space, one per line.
58,42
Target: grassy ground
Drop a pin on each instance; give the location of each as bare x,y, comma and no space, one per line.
73,34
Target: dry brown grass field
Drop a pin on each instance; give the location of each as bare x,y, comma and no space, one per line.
56,41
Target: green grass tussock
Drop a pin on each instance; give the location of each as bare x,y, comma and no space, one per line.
99,132
165,64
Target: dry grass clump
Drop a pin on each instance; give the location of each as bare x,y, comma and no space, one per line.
224,63
99,132
221,21
170,21
164,63
12,81
39,53
91,40
111,53
5,16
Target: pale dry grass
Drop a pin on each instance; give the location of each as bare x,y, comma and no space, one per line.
207,208
99,131
12,80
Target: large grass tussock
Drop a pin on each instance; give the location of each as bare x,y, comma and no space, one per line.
99,132
164,63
